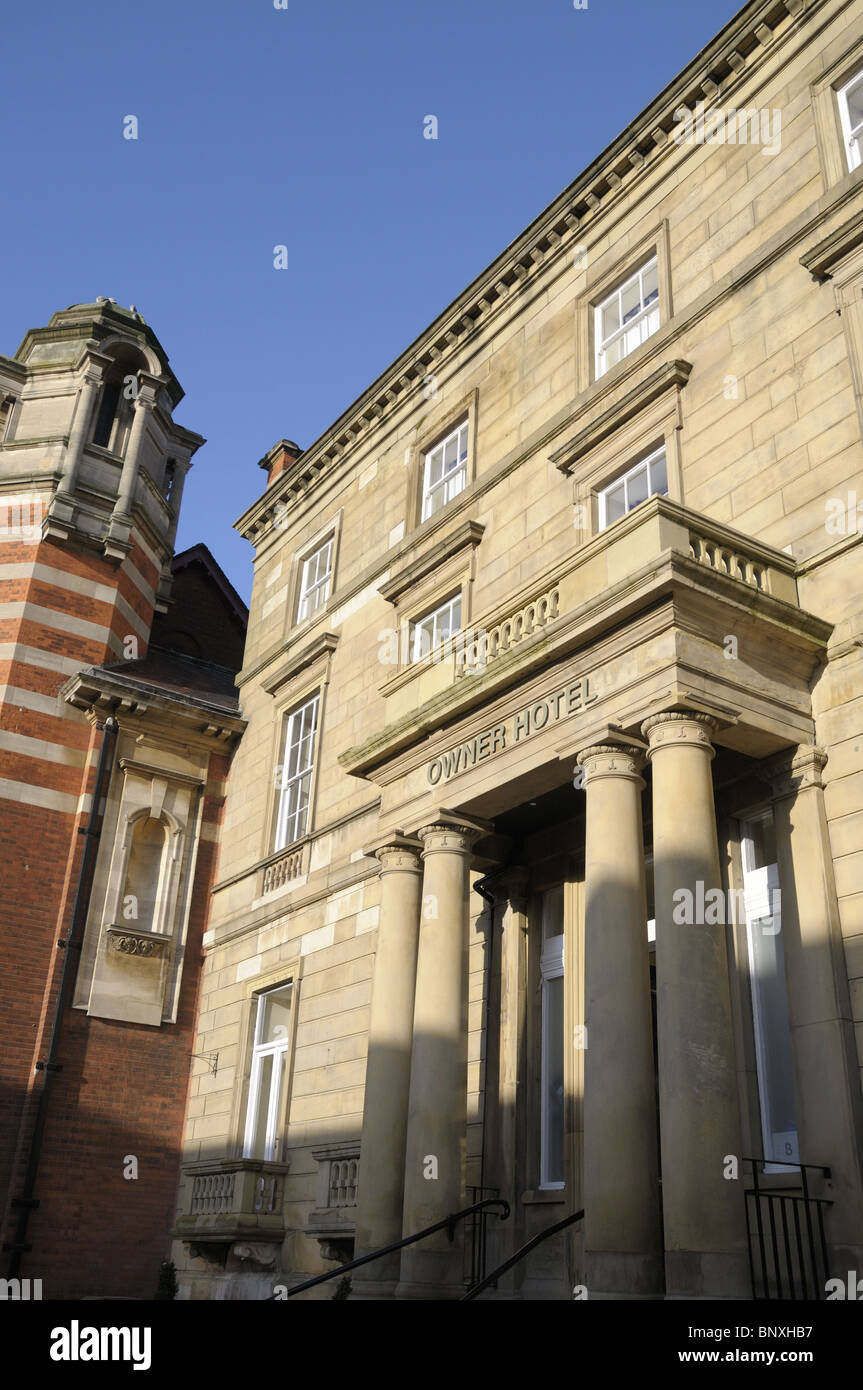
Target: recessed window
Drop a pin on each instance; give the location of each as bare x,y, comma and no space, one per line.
295,773
445,471
108,410
773,1059
552,1113
627,317
644,480
315,580
435,628
851,113
268,1075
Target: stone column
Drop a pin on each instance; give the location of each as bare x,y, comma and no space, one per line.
148,387
385,1111
437,1114
703,1211
62,506
827,1091
622,1232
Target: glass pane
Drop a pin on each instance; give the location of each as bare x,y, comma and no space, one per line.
552,1081
636,488
610,317
261,1102
450,453
855,104
773,1037
650,282
631,300
615,504
761,835
434,470
422,640
275,1016
658,476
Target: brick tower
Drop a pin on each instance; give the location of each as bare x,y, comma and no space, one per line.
103,894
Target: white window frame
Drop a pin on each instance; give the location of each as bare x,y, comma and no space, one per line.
278,1050
758,884
853,135
551,968
314,591
451,483
301,723
642,465
433,625
641,319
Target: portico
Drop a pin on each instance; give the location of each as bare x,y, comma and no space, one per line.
612,715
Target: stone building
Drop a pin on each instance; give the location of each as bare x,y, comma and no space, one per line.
118,714
567,609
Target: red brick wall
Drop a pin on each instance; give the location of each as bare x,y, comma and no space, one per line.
123,1087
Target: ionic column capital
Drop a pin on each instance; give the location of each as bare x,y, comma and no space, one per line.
611,760
681,727
795,770
447,832
400,854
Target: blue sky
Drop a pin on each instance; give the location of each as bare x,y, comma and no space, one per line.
301,127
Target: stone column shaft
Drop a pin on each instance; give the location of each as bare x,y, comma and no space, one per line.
622,1234
703,1211
385,1110
437,1115
828,1098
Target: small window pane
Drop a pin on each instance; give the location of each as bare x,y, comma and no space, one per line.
630,300
658,476
855,103
615,504
276,1016
637,489
651,283
262,1106
611,318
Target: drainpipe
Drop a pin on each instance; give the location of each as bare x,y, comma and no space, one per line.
72,947
480,887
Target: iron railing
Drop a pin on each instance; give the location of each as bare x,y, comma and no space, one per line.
476,1229
520,1254
448,1224
785,1233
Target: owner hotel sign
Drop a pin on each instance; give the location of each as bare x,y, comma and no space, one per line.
568,700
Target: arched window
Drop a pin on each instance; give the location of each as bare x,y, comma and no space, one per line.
117,401
144,872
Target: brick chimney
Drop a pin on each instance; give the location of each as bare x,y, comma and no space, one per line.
279,459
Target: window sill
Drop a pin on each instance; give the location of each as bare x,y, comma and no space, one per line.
544,1196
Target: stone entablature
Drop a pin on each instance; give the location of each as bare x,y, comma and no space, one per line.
661,548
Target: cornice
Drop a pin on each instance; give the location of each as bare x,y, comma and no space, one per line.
468,533
722,66
322,646
667,377
107,693
823,258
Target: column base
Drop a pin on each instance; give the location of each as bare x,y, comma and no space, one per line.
694,1274
429,1293
623,1274
372,1290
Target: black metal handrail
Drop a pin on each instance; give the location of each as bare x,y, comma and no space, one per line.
785,1246
448,1224
520,1254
